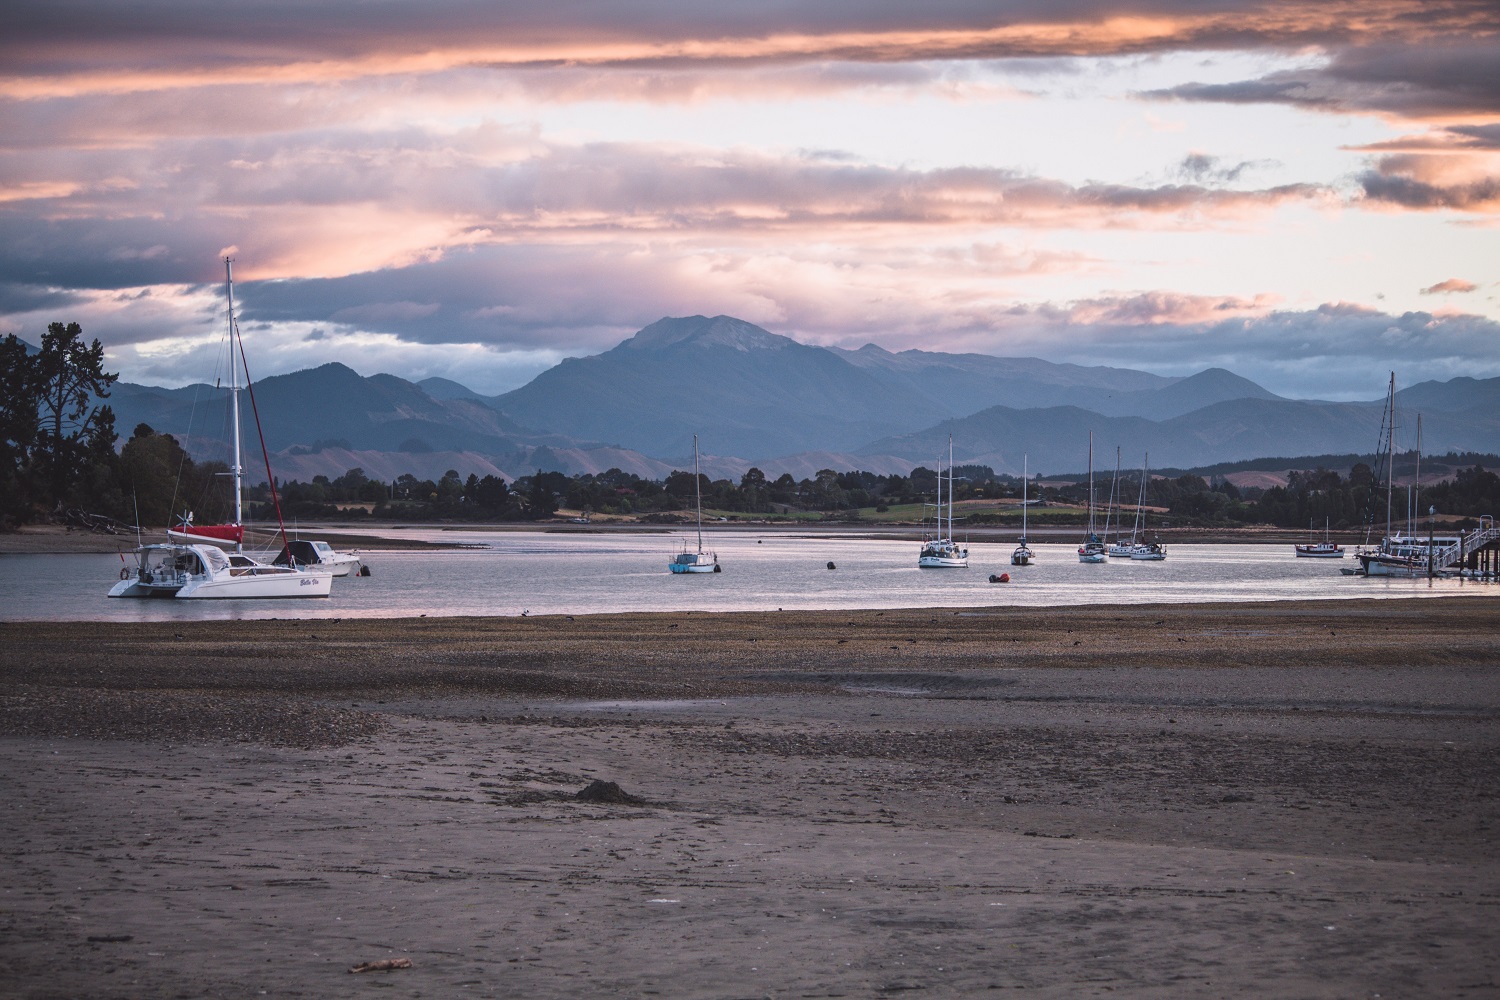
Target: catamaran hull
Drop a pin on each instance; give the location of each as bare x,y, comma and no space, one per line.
300,585
694,568
942,562
135,588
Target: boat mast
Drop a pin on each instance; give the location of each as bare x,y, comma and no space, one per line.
1114,497
950,487
1023,498
1091,485
1140,499
1416,486
236,470
1390,446
937,511
698,494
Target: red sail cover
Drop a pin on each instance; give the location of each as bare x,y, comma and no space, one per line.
216,534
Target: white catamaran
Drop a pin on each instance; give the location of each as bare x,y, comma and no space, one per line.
193,566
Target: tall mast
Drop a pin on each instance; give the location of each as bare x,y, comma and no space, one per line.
1023,497
1091,485
1390,446
1114,498
236,470
1140,499
698,493
937,523
950,486
1416,486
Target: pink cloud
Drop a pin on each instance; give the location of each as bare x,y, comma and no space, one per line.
1421,181
1451,285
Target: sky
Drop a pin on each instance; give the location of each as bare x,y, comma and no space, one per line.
1306,193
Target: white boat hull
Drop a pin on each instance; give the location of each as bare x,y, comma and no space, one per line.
943,554
1393,567
198,572
320,557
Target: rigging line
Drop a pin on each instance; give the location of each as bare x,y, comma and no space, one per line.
250,387
187,442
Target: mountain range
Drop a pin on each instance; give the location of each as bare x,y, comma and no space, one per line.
757,398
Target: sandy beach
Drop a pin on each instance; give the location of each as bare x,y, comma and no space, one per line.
1292,800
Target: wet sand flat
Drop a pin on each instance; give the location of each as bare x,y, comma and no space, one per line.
1291,799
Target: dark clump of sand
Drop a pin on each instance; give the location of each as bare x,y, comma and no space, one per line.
599,790
1295,799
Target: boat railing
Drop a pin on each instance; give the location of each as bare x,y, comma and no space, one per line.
1486,534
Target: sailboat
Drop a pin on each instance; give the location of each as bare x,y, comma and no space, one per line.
1092,550
1023,555
699,561
1140,549
193,565
1401,555
941,551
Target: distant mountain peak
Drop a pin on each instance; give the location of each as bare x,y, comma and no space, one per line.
704,331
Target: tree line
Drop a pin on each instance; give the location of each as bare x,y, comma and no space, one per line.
1347,502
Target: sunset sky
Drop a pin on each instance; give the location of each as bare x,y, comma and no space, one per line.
1305,193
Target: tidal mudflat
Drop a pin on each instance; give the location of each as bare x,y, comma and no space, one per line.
1281,799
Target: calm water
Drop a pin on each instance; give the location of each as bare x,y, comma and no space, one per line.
586,573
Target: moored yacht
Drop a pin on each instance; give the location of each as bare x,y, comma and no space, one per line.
1406,555
1148,551
1022,555
319,555
1093,549
941,551
1326,549
204,571
690,561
